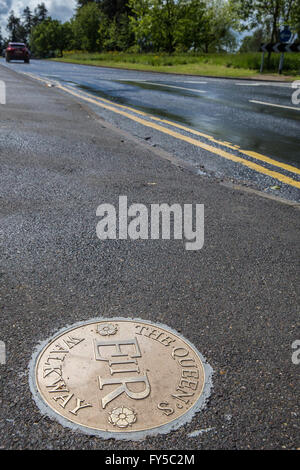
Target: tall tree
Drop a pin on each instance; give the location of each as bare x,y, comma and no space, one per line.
27,21
86,26
50,36
191,25
40,14
154,22
221,21
114,8
295,18
13,27
82,3
1,40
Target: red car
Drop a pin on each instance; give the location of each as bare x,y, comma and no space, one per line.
17,51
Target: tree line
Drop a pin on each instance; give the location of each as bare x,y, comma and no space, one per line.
154,26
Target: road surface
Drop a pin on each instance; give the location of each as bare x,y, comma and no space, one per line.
250,130
235,299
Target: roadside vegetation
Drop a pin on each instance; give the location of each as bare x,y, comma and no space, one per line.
221,64
181,36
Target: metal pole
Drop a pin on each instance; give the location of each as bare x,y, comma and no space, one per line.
262,62
281,63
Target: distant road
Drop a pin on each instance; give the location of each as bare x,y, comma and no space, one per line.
249,120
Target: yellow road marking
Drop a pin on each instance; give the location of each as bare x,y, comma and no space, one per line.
250,153
209,148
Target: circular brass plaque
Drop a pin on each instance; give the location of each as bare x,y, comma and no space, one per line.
121,376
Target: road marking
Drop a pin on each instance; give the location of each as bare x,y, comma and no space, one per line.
248,84
281,85
125,80
173,86
198,83
275,105
250,153
219,152
164,84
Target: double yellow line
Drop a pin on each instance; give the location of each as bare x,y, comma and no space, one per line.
122,110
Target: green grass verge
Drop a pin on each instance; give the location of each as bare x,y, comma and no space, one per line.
219,65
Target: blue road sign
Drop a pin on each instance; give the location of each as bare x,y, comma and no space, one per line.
286,35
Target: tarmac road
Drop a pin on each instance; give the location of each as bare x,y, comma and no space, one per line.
235,299
251,128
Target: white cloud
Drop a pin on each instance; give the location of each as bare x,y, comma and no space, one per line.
57,9
5,5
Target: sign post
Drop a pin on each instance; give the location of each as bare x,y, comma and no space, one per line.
262,62
281,62
279,47
285,37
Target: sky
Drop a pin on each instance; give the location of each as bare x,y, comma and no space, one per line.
58,9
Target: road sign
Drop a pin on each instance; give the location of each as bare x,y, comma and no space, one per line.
285,35
280,47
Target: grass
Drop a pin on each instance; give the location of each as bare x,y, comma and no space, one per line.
240,65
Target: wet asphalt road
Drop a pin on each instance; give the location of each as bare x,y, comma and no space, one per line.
221,108
235,300
228,111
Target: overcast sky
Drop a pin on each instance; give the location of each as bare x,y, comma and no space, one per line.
58,9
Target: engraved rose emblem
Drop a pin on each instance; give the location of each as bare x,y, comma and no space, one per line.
122,417
107,329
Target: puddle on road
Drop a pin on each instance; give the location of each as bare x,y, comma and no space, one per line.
161,87
147,109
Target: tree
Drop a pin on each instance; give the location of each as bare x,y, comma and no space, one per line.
115,35
154,22
14,28
114,9
165,16
40,14
141,23
27,21
82,3
1,40
295,18
252,43
86,25
50,36
221,21
166,25
191,25
65,37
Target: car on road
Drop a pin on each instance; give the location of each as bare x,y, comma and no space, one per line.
17,51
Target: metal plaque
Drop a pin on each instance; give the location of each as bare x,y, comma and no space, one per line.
121,377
